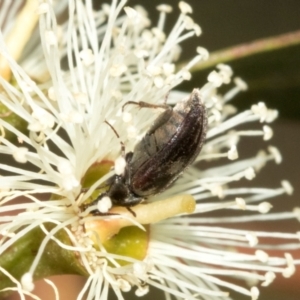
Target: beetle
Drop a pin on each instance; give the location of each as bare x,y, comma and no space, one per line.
170,145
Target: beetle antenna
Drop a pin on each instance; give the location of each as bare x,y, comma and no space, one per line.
117,135
166,97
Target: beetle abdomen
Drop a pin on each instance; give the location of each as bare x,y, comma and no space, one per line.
177,143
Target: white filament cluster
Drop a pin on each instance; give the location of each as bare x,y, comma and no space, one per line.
112,58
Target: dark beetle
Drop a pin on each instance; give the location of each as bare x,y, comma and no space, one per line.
171,144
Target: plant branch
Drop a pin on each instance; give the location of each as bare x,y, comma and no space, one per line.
248,49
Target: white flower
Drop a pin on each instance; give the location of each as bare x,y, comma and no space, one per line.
112,58
23,42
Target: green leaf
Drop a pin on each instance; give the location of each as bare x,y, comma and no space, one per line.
55,260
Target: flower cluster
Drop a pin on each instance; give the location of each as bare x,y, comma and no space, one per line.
71,79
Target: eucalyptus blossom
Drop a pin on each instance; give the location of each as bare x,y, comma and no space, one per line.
75,79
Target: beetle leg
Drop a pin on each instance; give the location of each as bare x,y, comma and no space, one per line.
161,119
131,211
98,213
142,104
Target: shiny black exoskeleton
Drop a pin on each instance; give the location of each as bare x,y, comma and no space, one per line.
171,144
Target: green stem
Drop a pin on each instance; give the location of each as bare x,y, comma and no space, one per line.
248,49
55,260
